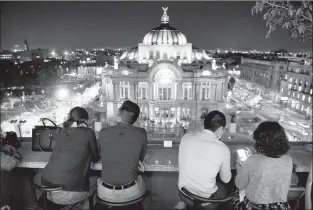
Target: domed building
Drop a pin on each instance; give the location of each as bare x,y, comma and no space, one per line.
169,78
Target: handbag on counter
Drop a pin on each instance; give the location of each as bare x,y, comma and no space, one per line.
43,137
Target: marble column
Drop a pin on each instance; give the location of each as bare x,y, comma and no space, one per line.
150,90
198,91
132,90
212,88
194,91
116,91
179,90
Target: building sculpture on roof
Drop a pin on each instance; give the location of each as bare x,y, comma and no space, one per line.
169,78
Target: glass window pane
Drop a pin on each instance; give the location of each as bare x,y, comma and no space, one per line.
169,94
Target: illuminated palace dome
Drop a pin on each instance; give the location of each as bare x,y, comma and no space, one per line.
164,43
165,34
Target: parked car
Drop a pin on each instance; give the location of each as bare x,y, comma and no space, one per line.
292,123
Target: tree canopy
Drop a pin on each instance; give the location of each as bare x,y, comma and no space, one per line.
295,16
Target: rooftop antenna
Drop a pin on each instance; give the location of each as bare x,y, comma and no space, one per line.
26,48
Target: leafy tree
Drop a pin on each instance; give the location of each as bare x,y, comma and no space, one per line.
296,17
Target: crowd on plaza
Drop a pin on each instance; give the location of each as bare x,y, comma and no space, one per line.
262,182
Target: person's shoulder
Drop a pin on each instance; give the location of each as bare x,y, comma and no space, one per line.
106,129
286,158
139,129
224,146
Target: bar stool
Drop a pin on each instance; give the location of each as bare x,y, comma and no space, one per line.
43,201
133,204
197,201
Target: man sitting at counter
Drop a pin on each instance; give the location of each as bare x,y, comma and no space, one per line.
122,147
202,156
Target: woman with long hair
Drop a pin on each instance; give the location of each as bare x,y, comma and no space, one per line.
76,147
265,177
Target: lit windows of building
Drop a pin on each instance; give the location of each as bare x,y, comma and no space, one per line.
124,90
309,99
142,90
288,93
165,94
290,80
286,77
303,97
298,95
289,86
187,89
205,91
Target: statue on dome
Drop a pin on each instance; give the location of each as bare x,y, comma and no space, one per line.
165,10
165,17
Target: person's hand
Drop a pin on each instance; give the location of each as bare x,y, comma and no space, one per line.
141,166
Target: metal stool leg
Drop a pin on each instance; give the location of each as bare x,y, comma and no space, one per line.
90,200
45,204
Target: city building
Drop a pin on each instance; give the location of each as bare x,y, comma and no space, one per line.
89,71
289,83
33,54
6,55
168,77
266,75
297,88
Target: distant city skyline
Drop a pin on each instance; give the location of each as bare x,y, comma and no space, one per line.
207,25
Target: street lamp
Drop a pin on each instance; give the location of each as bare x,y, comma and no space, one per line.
62,93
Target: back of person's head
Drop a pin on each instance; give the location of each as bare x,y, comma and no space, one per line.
214,120
129,112
10,138
271,139
78,115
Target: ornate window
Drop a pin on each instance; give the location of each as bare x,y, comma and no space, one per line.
187,89
142,90
165,93
205,91
124,90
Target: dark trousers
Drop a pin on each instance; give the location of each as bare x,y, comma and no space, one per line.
220,193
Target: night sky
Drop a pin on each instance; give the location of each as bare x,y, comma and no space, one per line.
206,25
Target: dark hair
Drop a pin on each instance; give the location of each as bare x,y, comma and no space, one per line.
134,116
11,139
214,120
271,139
78,115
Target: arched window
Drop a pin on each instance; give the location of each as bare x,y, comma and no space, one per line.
157,54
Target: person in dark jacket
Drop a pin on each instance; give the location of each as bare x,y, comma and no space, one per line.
69,164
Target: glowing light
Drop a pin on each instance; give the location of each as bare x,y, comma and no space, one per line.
206,73
62,93
125,72
65,53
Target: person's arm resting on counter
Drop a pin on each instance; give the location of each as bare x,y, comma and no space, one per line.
144,147
225,172
94,148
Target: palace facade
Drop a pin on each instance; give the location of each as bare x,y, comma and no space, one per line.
169,78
